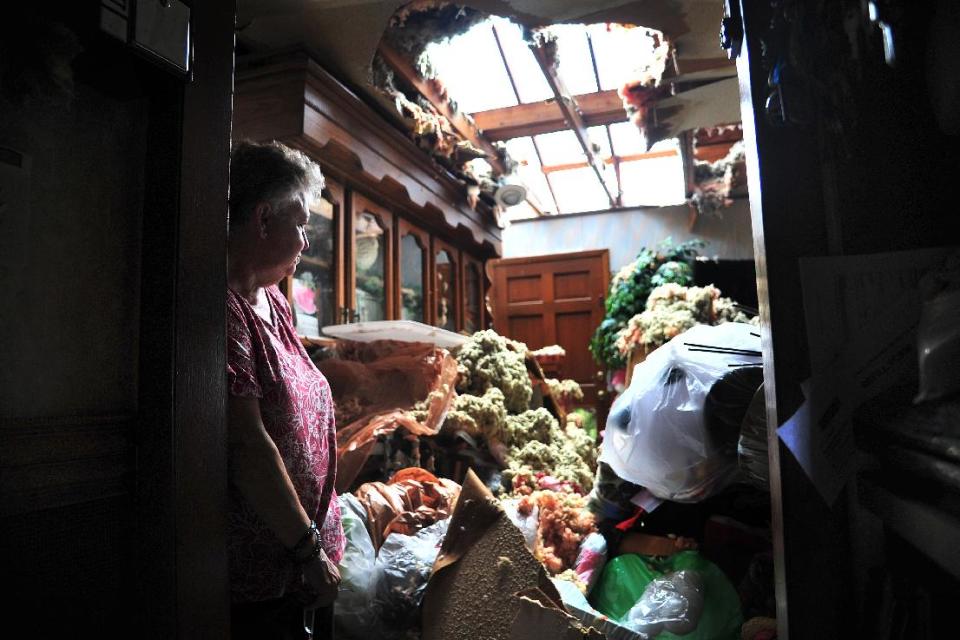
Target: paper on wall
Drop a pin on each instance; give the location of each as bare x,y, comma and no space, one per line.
861,316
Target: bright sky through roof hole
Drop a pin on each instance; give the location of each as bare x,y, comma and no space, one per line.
472,69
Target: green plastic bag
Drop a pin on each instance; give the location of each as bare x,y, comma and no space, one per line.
625,578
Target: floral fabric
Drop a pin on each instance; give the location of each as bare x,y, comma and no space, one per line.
266,360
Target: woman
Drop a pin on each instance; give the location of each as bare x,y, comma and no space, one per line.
285,531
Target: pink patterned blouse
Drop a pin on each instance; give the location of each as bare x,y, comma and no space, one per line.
267,361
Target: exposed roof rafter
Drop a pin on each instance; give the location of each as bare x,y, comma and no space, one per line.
614,160
428,89
513,85
571,113
535,118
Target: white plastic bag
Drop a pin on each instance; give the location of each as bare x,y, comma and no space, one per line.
591,559
938,346
657,436
528,524
672,603
357,567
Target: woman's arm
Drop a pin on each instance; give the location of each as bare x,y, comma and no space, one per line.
258,472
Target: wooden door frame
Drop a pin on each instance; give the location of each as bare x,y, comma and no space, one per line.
337,194
403,228
181,459
362,204
791,218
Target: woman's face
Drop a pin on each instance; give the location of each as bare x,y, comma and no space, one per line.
285,237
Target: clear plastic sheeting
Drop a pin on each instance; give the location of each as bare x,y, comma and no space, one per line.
672,603
658,434
528,524
357,567
404,566
380,594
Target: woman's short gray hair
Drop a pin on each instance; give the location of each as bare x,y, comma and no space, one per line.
268,172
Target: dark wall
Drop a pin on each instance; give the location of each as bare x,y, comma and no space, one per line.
113,210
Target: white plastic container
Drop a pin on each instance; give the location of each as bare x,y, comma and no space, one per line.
402,330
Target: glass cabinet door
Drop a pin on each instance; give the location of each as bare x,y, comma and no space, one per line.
473,296
313,288
445,264
371,262
414,250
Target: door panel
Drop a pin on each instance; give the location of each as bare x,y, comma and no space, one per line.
554,299
571,286
571,329
523,289
526,329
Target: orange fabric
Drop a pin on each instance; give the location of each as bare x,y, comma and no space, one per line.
405,505
375,388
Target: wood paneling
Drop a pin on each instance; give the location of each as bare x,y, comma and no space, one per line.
113,481
526,329
572,286
51,463
524,288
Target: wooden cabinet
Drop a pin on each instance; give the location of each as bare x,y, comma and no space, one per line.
392,237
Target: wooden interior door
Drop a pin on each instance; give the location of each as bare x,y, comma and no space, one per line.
370,273
554,299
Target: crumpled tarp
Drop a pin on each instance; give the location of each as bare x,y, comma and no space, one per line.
412,500
374,384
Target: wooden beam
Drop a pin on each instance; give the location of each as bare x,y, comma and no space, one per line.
695,65
513,85
614,160
429,90
571,113
535,118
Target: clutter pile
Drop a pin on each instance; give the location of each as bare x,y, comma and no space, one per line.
536,527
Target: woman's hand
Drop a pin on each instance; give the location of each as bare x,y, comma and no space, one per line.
321,578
